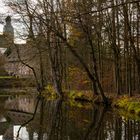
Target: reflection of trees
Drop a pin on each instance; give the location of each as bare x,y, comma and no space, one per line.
56,121
105,125
47,122
118,128
53,119
131,129
59,122
8,134
95,126
40,133
24,124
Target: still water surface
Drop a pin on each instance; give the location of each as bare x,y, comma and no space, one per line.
38,119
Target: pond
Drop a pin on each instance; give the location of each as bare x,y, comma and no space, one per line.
28,118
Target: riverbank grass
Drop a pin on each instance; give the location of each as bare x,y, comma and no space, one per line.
6,77
131,105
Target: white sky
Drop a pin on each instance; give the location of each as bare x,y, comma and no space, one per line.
3,9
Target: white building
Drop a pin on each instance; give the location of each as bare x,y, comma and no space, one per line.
13,64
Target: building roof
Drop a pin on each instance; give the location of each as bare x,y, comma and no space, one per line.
27,54
2,41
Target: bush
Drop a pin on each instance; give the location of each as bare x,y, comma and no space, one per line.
129,105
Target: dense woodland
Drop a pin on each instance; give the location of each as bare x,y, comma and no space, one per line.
91,45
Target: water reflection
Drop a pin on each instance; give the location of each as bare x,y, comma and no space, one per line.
95,126
57,120
22,103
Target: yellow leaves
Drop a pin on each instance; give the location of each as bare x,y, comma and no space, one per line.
74,94
87,121
77,33
50,88
122,102
49,92
86,81
74,30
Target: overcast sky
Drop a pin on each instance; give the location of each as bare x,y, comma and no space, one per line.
3,10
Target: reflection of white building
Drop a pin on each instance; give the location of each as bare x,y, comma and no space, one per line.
22,104
19,111
8,135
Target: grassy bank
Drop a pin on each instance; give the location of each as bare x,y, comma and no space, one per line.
128,104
